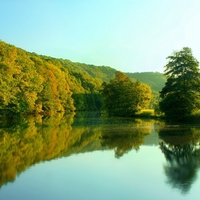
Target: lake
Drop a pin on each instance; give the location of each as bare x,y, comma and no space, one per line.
86,156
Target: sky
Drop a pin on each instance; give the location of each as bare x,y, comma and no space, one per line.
128,35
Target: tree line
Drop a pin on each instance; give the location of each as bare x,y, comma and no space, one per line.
32,83
179,98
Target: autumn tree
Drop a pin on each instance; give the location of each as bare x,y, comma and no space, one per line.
31,84
180,95
122,97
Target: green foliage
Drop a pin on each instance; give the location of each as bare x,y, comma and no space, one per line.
180,95
122,97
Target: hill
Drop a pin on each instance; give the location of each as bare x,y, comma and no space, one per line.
32,83
155,80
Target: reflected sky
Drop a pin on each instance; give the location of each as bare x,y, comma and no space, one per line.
91,176
97,175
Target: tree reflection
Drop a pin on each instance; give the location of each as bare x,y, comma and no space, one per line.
181,150
123,138
33,140
39,138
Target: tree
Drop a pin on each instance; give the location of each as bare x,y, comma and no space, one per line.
180,95
122,97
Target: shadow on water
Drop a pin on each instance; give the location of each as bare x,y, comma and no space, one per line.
181,148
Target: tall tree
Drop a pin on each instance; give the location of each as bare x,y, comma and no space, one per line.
122,97
180,95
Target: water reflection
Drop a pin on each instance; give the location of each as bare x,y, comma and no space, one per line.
34,140
125,137
181,149
37,139
40,138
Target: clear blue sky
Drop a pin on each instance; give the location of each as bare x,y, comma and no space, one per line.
128,35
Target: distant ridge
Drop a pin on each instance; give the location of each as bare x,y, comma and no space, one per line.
154,79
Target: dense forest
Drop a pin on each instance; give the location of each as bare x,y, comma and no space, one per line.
32,83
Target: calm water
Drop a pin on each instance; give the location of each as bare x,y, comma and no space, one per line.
89,157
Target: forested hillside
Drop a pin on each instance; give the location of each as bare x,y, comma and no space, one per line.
154,79
36,84
31,83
